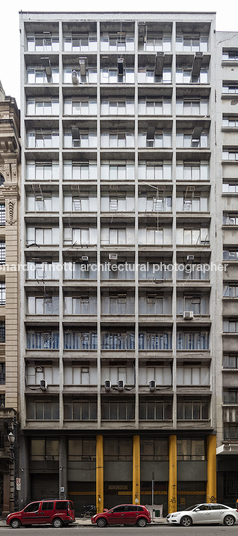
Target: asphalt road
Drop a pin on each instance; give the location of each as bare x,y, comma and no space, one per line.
151,530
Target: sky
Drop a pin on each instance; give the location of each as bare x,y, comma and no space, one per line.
227,20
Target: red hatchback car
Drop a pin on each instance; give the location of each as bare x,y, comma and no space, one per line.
125,514
57,512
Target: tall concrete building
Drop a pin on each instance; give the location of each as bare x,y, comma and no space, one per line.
9,289
122,343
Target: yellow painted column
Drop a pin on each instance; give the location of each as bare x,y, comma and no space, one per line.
172,489
211,469
136,470
99,474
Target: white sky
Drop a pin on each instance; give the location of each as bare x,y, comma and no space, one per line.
226,10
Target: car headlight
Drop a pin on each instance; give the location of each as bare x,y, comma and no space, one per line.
174,515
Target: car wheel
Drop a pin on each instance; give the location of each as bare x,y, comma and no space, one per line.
57,523
142,522
186,521
229,521
101,522
15,523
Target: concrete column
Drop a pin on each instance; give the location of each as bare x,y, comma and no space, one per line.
63,477
24,473
6,494
99,474
172,490
211,494
136,470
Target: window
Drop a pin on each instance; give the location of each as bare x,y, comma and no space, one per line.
230,121
230,291
42,340
34,507
158,203
80,305
146,75
43,270
199,305
82,203
193,340
2,374
2,401
123,410
115,373
192,107
229,55
79,340
191,449
192,410
117,139
34,374
193,236
83,236
2,180
155,410
230,187
2,332
230,361
159,269
119,41
2,252
80,42
230,396
79,270
38,305
193,270
117,107
230,219
185,140
196,171
117,340
230,255
155,304
156,42
42,139
119,236
155,170
118,203
80,107
42,107
118,304
80,410
110,75
231,431
43,202
43,43
190,376
80,375
81,449
160,340
74,138
48,506
43,449
161,374
2,293
45,236
159,140
192,202
184,76
73,75
231,88
154,449
37,75
154,106
191,43
43,410
154,236
229,154
2,214
79,171
114,170
42,171
230,326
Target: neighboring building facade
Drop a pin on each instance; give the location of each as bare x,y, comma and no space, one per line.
9,291
121,181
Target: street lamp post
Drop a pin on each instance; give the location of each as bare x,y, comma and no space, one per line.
12,438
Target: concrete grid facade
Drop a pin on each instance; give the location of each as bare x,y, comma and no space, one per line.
121,325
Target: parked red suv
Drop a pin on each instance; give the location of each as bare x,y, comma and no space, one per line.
125,514
53,511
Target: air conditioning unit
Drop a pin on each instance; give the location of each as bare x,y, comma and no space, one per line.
152,384
190,257
74,78
188,315
120,385
85,258
107,385
112,256
43,385
82,66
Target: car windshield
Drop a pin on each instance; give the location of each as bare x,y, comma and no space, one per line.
191,507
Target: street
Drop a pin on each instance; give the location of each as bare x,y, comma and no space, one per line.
150,530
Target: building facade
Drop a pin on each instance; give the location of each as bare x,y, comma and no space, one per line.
121,324
9,291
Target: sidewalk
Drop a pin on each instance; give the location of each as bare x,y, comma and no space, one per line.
86,522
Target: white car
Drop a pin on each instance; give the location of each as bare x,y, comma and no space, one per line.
204,513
